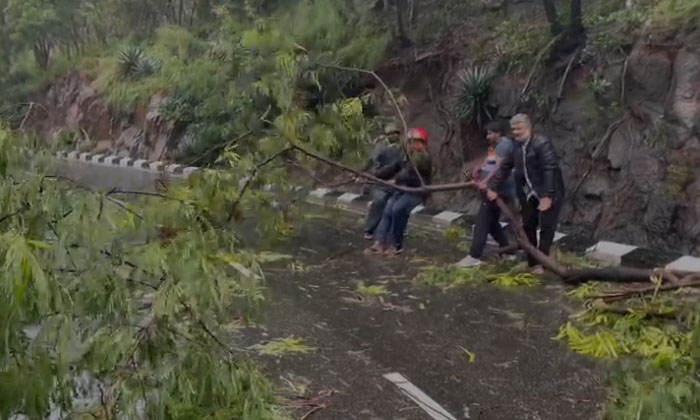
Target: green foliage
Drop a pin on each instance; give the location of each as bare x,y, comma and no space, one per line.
654,343
679,177
454,234
284,346
133,63
472,97
500,273
127,292
519,43
371,290
676,15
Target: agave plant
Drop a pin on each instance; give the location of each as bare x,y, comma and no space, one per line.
147,66
133,63
129,59
473,91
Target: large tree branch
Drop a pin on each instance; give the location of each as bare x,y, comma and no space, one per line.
571,276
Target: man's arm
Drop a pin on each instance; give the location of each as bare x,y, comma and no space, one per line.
388,171
550,164
503,170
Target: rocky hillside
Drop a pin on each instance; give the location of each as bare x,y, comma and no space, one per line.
75,114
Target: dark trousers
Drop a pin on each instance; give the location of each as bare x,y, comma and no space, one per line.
392,228
546,221
487,223
376,209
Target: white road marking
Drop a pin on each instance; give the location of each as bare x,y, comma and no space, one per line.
428,405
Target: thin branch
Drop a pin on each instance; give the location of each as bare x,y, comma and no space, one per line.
540,56
418,190
26,117
123,206
148,194
560,93
393,100
623,77
598,151
254,173
222,145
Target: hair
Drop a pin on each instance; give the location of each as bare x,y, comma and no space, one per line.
521,119
495,127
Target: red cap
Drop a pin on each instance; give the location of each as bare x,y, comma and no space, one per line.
418,133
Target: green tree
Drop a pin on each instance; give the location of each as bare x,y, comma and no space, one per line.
123,300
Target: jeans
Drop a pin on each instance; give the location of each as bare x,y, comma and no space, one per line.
487,222
392,228
374,214
546,221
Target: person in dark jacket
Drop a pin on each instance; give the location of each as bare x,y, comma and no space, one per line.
387,152
539,184
392,228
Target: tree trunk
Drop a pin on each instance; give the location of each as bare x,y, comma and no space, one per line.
415,5
42,53
400,23
576,27
551,10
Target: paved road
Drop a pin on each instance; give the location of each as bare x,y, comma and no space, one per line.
519,373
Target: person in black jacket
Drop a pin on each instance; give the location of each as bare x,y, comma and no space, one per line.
387,152
390,232
539,184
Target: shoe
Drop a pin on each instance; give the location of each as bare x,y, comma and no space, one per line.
393,251
369,236
469,262
375,249
537,270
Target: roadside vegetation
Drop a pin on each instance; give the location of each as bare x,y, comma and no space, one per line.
128,290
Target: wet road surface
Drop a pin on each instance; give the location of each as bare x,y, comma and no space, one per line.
422,333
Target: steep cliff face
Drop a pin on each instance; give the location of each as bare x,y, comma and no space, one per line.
75,113
636,182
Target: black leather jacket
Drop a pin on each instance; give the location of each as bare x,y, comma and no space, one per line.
542,169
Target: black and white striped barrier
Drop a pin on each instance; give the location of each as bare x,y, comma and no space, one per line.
438,219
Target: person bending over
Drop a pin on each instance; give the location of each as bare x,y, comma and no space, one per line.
392,228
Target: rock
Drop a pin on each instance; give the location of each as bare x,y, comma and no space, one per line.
595,186
618,149
649,73
647,169
659,215
686,97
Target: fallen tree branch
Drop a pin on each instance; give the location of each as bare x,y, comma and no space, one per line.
570,276
626,294
393,100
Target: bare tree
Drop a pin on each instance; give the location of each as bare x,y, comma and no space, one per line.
576,24
551,10
401,23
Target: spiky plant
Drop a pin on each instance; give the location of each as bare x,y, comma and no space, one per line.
473,91
146,66
129,60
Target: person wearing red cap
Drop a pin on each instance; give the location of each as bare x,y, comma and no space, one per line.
413,171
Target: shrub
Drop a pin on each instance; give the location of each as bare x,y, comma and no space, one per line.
473,91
